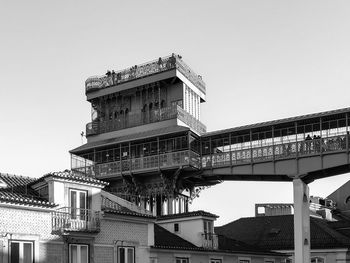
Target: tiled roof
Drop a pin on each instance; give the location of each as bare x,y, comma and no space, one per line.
281,121
72,176
18,191
187,214
126,212
164,239
130,137
277,233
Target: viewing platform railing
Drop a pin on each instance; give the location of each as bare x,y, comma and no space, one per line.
75,219
235,156
142,70
141,118
275,152
161,161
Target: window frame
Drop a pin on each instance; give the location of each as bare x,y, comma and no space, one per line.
79,245
182,260
215,260
75,213
21,242
244,260
126,254
317,258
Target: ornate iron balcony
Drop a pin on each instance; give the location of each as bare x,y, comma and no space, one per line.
68,219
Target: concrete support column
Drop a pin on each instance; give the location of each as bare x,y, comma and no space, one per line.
301,222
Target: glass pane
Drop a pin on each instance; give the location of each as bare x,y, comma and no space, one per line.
84,254
14,252
121,255
27,253
73,203
130,255
73,254
83,200
82,197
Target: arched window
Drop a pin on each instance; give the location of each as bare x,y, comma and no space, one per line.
347,200
162,104
317,260
150,106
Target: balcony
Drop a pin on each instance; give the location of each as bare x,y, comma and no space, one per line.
68,219
210,241
144,70
148,163
141,118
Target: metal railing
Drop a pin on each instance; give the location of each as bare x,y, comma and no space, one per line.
273,152
210,241
143,70
67,219
141,118
166,160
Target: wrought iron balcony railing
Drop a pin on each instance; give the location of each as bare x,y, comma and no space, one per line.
140,118
210,241
143,70
147,163
68,219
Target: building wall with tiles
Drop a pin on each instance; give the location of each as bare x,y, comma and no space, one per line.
121,230
30,224
125,232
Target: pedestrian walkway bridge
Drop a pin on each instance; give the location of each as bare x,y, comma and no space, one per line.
310,146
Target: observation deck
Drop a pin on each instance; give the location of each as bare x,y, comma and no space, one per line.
310,147
137,72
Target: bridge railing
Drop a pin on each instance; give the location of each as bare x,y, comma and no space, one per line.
273,152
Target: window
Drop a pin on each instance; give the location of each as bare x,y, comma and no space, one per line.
317,260
126,254
269,261
182,260
176,227
78,253
153,260
21,251
78,204
244,260
287,260
215,260
208,229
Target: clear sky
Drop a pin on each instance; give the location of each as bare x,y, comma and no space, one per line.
261,60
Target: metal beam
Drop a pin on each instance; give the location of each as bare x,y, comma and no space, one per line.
301,222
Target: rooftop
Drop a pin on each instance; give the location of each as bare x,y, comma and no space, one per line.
277,233
18,191
162,64
72,176
187,214
164,239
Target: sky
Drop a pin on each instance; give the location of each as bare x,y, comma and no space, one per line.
261,61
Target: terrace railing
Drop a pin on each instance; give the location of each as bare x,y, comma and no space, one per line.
136,119
143,70
68,219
